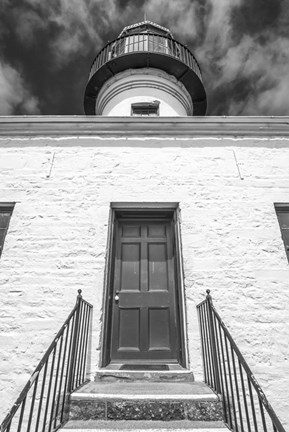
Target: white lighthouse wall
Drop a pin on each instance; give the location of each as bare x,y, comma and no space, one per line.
231,242
143,85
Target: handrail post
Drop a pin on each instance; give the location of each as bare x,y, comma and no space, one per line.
213,342
54,394
74,342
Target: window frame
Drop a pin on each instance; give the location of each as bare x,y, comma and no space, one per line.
5,207
279,209
146,109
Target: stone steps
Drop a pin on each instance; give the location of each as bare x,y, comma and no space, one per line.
145,401
148,426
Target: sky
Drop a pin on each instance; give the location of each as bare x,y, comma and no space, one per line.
47,47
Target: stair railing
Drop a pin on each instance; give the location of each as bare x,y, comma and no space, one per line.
246,408
42,404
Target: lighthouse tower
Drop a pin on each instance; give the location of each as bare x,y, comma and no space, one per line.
145,72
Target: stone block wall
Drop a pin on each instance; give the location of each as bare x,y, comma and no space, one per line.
231,241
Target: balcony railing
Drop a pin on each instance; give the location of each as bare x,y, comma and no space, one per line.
145,43
42,404
246,408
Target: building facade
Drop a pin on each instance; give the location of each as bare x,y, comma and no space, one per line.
139,202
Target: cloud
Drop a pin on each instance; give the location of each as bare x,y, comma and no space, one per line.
72,27
13,93
245,68
242,48
240,45
266,68
65,26
246,71
182,17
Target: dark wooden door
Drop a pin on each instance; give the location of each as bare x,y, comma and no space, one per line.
144,322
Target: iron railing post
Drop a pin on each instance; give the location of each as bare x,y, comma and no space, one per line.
49,409
223,352
212,336
74,343
118,47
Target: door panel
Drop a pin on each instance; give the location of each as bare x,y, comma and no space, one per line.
156,230
131,230
157,267
129,335
159,322
130,267
144,321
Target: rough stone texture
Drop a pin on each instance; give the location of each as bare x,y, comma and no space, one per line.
204,411
137,410
87,410
145,410
231,241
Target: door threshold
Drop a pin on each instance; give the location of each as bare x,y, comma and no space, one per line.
114,372
143,367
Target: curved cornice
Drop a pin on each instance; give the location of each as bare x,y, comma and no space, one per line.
62,126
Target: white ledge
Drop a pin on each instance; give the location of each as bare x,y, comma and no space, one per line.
55,126
140,396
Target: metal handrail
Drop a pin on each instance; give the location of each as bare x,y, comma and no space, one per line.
42,404
145,42
246,408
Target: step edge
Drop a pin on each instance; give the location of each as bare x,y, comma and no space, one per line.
143,371
192,429
210,429
134,397
152,424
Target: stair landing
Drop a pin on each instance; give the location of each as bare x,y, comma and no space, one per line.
144,390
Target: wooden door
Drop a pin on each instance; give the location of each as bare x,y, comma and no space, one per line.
144,322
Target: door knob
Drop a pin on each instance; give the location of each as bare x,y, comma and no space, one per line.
116,297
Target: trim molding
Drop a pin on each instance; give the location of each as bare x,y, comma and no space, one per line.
281,206
7,205
144,205
65,126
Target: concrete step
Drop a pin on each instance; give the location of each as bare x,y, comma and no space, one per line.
145,401
148,426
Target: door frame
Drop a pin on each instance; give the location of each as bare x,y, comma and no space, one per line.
153,209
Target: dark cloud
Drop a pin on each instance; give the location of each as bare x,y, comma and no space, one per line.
46,49
255,17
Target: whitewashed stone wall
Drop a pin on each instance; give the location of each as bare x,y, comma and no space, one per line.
231,240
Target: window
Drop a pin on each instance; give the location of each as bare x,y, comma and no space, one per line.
145,109
6,210
282,211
